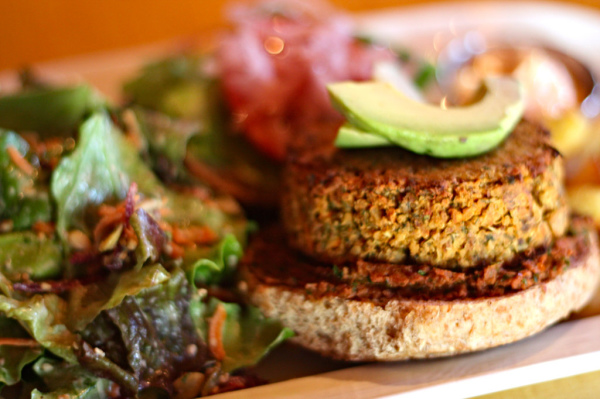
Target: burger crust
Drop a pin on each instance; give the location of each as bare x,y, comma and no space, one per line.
404,328
391,205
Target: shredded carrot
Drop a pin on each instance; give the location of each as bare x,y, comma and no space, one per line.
182,235
177,251
43,227
106,225
54,146
33,140
215,332
129,239
164,226
18,160
106,210
19,342
193,235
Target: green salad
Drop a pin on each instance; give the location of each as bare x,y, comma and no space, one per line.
117,269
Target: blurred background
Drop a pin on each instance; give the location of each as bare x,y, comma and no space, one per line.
36,31
40,30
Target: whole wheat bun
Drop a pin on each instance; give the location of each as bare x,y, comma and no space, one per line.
408,328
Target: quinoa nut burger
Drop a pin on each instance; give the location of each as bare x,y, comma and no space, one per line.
459,241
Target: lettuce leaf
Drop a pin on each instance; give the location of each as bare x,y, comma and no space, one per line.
94,360
150,238
55,110
44,318
216,266
87,302
33,208
20,199
6,287
247,334
13,179
167,140
68,381
25,252
134,167
153,331
14,358
166,306
90,175
174,86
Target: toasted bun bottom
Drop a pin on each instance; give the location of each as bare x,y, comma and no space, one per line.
406,328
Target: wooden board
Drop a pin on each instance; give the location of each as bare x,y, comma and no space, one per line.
564,350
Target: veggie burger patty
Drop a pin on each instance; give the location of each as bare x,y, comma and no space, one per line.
392,205
270,261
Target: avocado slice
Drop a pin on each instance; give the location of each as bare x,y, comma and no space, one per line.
55,110
350,137
378,109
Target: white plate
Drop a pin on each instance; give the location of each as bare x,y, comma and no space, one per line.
573,29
